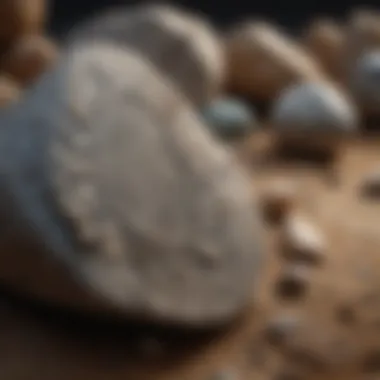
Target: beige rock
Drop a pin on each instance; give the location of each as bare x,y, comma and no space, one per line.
262,61
325,39
21,17
9,91
183,46
143,201
29,57
302,240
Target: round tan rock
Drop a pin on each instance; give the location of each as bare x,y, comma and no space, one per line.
262,61
9,91
183,46
20,18
125,201
325,39
29,57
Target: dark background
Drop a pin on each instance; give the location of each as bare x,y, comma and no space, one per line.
291,14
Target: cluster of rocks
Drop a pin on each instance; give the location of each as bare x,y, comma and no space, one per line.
119,199
323,82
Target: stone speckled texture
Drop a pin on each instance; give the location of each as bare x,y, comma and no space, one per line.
127,192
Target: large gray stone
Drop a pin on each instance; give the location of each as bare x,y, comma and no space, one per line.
117,200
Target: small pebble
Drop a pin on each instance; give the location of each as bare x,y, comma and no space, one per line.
303,241
365,82
281,328
278,199
230,117
314,107
293,282
370,186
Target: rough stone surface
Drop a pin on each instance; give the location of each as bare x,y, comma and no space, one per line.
229,117
182,45
28,58
321,347
262,61
120,192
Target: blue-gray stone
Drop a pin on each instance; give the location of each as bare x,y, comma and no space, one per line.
124,204
230,117
314,107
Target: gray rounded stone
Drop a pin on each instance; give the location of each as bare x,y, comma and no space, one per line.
229,117
314,107
116,200
183,46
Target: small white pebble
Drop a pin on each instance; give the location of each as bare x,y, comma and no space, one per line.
302,240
